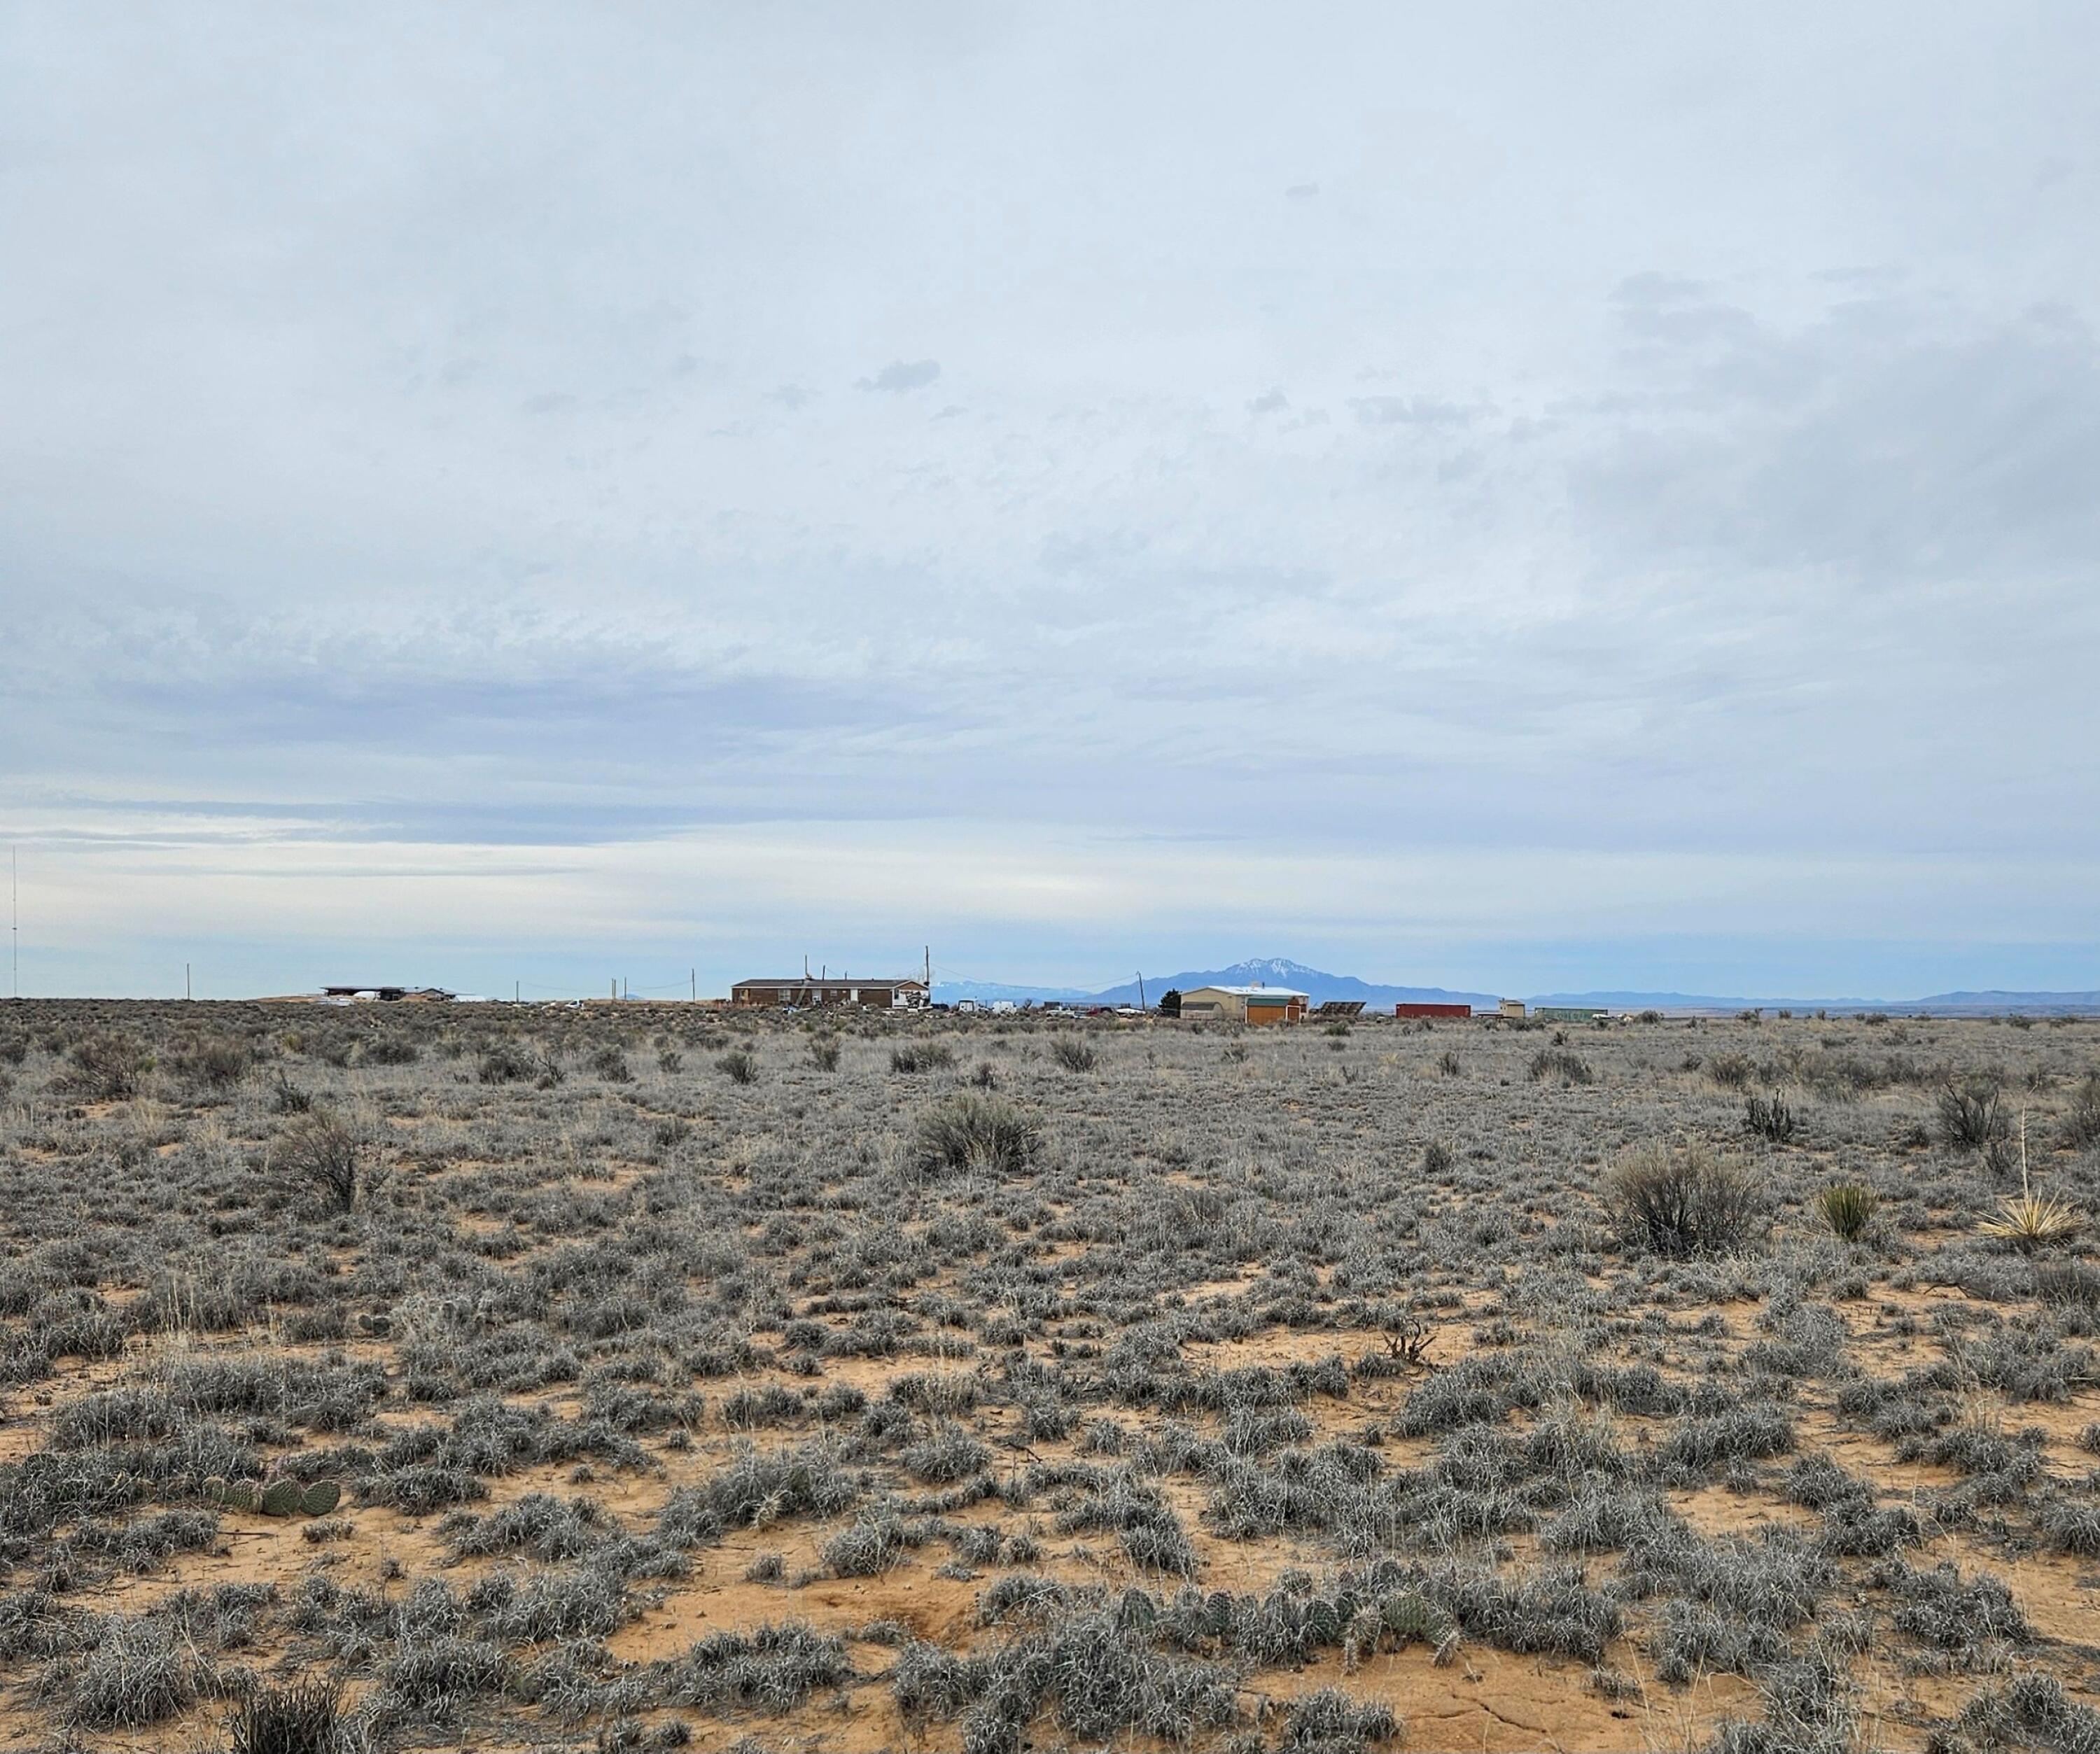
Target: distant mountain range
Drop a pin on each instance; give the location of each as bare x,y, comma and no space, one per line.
1320,986
1992,1003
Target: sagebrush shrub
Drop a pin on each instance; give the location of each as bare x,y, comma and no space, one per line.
107,1068
970,1132
738,1065
1072,1054
2070,1284
1972,1115
1732,1072
1563,1063
506,1063
1680,1202
217,1063
915,1057
2081,1124
322,1151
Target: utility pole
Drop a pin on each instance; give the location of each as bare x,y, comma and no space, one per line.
15,916
616,992
517,992
692,980
1141,989
186,980
929,971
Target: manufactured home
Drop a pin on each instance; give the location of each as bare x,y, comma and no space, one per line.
806,992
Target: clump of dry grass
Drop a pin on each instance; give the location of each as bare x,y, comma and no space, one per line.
304,1718
1847,1208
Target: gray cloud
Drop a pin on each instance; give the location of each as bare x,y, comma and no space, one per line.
410,440
1407,411
901,376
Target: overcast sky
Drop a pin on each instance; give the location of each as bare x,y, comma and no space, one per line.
1512,496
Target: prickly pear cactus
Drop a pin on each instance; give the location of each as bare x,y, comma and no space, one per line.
321,1498
283,1498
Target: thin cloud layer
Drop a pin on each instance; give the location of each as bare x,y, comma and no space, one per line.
611,455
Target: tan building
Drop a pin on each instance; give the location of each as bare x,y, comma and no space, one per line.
1509,1007
804,992
1245,1004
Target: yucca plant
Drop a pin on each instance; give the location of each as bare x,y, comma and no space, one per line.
1847,1208
2029,1220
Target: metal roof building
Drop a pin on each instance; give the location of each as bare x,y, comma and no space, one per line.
1245,1004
